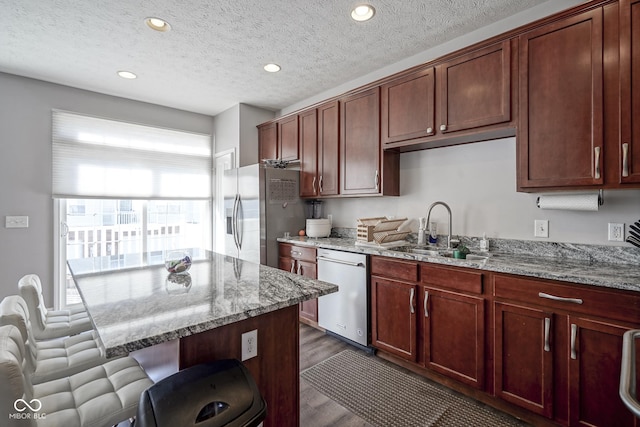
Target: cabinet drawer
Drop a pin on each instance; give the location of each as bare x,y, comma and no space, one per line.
394,268
608,303
297,252
452,278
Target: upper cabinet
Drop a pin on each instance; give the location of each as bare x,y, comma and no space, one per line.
319,146
475,89
408,107
629,144
468,98
560,127
279,140
268,141
364,169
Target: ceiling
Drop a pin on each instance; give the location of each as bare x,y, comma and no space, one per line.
214,55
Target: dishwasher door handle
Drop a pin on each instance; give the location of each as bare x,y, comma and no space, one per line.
339,261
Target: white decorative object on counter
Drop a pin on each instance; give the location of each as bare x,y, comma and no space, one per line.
320,227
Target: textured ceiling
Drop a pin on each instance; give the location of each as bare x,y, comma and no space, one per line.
213,57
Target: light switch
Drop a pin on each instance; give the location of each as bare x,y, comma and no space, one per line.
16,221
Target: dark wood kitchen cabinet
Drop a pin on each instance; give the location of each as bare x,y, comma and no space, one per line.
629,146
394,307
475,89
301,260
279,139
319,147
364,168
558,349
454,323
408,107
267,141
560,127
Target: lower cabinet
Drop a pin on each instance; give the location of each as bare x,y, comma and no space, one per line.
556,354
300,260
550,347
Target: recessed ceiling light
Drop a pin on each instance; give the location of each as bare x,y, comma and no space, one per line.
363,12
127,75
272,68
157,24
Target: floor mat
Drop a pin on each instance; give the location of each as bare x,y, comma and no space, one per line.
387,396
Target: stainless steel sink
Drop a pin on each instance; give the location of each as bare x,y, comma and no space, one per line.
444,253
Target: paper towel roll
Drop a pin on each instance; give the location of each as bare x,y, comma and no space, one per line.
573,202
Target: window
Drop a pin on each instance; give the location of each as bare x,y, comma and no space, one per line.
125,189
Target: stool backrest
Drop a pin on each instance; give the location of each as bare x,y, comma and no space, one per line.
31,290
14,311
14,386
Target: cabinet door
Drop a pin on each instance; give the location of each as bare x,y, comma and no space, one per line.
268,141
287,264
629,153
454,335
309,153
393,317
524,357
560,133
408,106
475,89
288,138
360,150
594,374
328,149
309,308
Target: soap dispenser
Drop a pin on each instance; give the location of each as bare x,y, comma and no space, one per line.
484,243
422,229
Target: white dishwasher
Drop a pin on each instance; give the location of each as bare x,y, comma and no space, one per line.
346,312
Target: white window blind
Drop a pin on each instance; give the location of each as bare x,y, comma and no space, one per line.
95,157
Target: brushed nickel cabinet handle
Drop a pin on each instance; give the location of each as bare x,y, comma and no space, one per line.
313,185
547,329
426,299
293,266
597,162
429,130
625,159
411,297
377,180
561,299
299,270
294,253
574,335
443,127
321,182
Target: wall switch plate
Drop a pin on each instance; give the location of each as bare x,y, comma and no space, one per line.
249,344
541,228
16,222
616,232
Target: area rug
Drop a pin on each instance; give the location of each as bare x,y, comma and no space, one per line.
388,396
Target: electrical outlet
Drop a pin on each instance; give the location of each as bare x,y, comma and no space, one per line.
616,232
249,344
541,228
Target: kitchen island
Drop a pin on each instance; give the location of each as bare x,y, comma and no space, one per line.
135,304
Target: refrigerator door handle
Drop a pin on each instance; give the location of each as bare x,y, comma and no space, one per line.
234,221
239,223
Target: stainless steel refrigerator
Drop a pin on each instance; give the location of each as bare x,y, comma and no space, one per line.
260,204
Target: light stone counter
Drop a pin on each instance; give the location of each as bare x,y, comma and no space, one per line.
611,267
134,305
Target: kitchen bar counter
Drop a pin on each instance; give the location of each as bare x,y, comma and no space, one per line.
581,271
135,303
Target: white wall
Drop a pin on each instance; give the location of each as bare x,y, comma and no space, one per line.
25,164
478,182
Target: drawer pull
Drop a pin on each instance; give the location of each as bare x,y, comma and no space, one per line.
299,270
574,335
411,297
561,299
293,266
547,328
426,300
597,162
295,253
313,185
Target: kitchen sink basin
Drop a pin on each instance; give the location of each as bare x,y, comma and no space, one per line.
444,253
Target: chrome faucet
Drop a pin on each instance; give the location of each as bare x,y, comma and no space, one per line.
449,211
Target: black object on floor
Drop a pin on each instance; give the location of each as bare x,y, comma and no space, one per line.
215,394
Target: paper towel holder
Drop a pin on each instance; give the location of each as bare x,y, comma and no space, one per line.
600,199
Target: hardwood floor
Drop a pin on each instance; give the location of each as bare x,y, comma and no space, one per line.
316,409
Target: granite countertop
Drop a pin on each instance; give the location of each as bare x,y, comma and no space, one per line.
571,263
134,303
